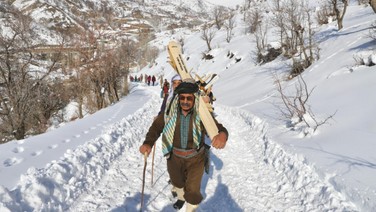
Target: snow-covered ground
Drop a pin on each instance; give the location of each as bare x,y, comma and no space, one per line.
93,164
105,173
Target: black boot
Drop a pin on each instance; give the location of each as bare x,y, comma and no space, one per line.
178,204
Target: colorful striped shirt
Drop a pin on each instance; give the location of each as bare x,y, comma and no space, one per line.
184,129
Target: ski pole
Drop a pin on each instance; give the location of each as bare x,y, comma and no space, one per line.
152,166
143,181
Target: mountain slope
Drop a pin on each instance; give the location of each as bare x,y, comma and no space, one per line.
266,165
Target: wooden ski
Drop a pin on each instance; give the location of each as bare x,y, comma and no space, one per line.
178,63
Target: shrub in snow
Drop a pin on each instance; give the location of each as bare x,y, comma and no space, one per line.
207,56
296,109
325,14
366,58
269,55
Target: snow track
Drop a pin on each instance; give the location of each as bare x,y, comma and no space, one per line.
105,174
250,162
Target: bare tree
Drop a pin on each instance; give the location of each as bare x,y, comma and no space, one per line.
101,74
279,21
22,85
254,19
78,87
340,14
295,105
116,71
128,52
261,39
324,13
306,58
91,54
218,14
51,97
294,27
207,34
230,25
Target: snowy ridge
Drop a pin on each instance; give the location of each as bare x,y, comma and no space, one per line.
62,182
285,180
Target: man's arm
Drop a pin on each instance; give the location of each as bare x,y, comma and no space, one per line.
153,134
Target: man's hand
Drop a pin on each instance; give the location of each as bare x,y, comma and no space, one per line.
219,141
206,99
145,148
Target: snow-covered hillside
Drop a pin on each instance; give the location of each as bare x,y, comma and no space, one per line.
93,164
65,15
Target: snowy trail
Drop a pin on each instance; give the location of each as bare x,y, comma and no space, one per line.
278,180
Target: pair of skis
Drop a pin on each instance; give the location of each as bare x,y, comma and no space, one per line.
178,63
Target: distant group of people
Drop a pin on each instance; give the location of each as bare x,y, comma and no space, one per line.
148,79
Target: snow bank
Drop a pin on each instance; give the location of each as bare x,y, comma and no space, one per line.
61,182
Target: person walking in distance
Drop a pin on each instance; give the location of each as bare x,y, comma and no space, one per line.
153,79
149,79
175,81
183,137
166,87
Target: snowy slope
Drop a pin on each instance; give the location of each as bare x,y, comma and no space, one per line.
93,164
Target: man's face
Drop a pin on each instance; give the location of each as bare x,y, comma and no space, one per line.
187,101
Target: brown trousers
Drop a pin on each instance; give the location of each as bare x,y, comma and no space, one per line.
187,174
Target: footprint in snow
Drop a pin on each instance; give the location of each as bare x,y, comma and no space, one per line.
66,140
77,136
12,161
18,149
54,146
37,153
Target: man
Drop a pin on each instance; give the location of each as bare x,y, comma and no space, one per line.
183,144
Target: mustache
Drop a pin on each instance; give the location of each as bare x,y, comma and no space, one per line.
185,104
